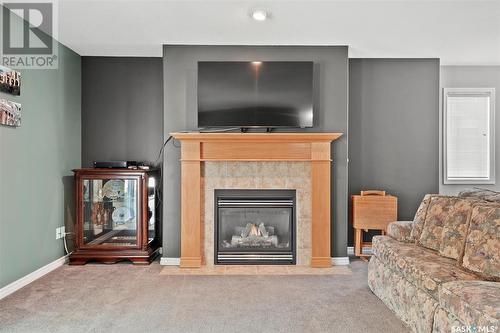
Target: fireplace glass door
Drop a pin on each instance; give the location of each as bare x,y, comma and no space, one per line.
255,226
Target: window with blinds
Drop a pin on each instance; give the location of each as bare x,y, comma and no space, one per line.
468,140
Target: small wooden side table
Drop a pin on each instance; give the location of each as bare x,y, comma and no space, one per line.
372,210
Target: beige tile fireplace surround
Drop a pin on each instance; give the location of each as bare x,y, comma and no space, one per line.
260,175
299,161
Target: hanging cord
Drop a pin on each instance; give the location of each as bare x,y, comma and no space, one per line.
171,138
162,148
65,242
160,181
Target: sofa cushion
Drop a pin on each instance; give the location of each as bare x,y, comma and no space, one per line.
482,246
481,194
419,219
477,193
437,212
446,224
493,198
474,302
444,322
412,305
423,267
400,230
455,227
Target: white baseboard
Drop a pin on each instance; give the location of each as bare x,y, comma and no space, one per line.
27,279
365,250
340,261
170,261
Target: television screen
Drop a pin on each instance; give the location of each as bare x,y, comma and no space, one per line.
255,94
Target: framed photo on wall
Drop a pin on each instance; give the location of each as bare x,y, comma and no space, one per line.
10,81
10,113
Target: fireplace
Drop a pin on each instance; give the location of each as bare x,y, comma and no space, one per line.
263,160
255,227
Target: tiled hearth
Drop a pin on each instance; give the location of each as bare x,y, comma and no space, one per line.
256,270
259,175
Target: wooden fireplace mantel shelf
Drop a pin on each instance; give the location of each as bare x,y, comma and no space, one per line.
299,147
247,147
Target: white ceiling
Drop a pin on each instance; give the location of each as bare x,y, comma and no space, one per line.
458,32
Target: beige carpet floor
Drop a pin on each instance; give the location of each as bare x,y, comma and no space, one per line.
126,298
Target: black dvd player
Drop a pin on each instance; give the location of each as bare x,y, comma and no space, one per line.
115,164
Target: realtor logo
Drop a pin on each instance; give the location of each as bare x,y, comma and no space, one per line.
28,32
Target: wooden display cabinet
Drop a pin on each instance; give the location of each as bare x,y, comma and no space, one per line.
117,216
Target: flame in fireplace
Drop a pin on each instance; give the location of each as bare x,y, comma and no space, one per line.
252,229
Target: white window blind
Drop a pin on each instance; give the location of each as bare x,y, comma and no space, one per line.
469,136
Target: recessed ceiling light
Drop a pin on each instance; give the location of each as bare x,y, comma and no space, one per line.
259,15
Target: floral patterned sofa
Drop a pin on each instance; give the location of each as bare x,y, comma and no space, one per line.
441,271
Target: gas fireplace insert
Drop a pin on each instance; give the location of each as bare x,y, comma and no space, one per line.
255,227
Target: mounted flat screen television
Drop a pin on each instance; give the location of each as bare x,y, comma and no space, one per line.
255,94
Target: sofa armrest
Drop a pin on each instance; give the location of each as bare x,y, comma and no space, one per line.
400,231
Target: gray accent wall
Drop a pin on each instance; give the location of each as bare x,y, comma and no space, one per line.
36,194
180,113
393,129
122,109
471,77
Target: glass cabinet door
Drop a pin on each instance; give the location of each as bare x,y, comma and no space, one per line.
152,205
110,212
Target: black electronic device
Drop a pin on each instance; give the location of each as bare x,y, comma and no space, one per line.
115,164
